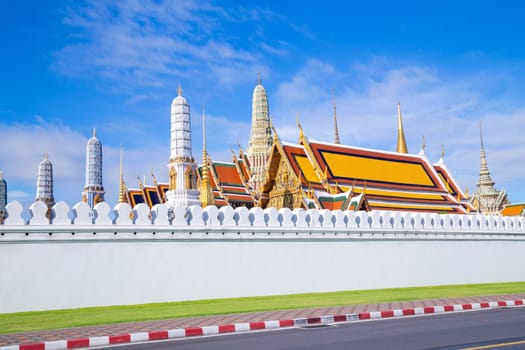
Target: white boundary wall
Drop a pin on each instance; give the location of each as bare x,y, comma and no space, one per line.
106,258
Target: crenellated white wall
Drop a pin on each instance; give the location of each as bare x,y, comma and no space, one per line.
80,259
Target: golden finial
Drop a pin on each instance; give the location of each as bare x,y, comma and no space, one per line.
206,192
155,183
401,142
179,90
122,197
301,133
466,192
234,156
336,129
141,184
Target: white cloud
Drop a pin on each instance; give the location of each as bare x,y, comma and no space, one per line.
135,44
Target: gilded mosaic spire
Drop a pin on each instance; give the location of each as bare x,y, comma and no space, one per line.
401,142
484,174
206,192
487,199
336,129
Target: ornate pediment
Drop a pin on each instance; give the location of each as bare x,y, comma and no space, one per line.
286,191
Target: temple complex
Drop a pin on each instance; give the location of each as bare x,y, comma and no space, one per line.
486,198
94,189
309,173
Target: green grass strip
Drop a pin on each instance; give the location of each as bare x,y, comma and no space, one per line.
41,320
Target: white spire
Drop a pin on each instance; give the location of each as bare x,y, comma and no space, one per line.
261,140
182,166
3,197
180,128
94,189
44,190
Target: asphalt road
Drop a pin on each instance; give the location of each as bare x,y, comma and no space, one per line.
466,330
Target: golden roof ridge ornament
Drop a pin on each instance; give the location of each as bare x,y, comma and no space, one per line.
301,132
155,183
122,196
206,192
336,129
401,142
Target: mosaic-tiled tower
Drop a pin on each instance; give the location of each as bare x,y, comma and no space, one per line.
3,197
261,141
93,189
182,166
44,183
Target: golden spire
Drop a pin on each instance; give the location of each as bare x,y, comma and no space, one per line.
401,142
122,197
206,192
336,129
301,133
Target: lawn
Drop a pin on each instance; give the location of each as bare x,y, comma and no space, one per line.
31,321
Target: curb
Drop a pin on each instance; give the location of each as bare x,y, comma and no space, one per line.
253,326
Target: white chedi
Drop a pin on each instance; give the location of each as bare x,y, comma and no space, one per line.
182,166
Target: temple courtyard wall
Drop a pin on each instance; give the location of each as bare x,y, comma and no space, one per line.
120,255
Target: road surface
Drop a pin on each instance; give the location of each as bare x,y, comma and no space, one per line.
499,329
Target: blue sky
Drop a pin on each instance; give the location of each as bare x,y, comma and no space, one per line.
70,66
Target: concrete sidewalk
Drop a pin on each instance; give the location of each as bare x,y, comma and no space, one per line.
110,330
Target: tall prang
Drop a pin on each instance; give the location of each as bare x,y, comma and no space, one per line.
182,166
94,189
487,199
3,197
261,140
44,183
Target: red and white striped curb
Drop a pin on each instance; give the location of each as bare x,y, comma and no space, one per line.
253,326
